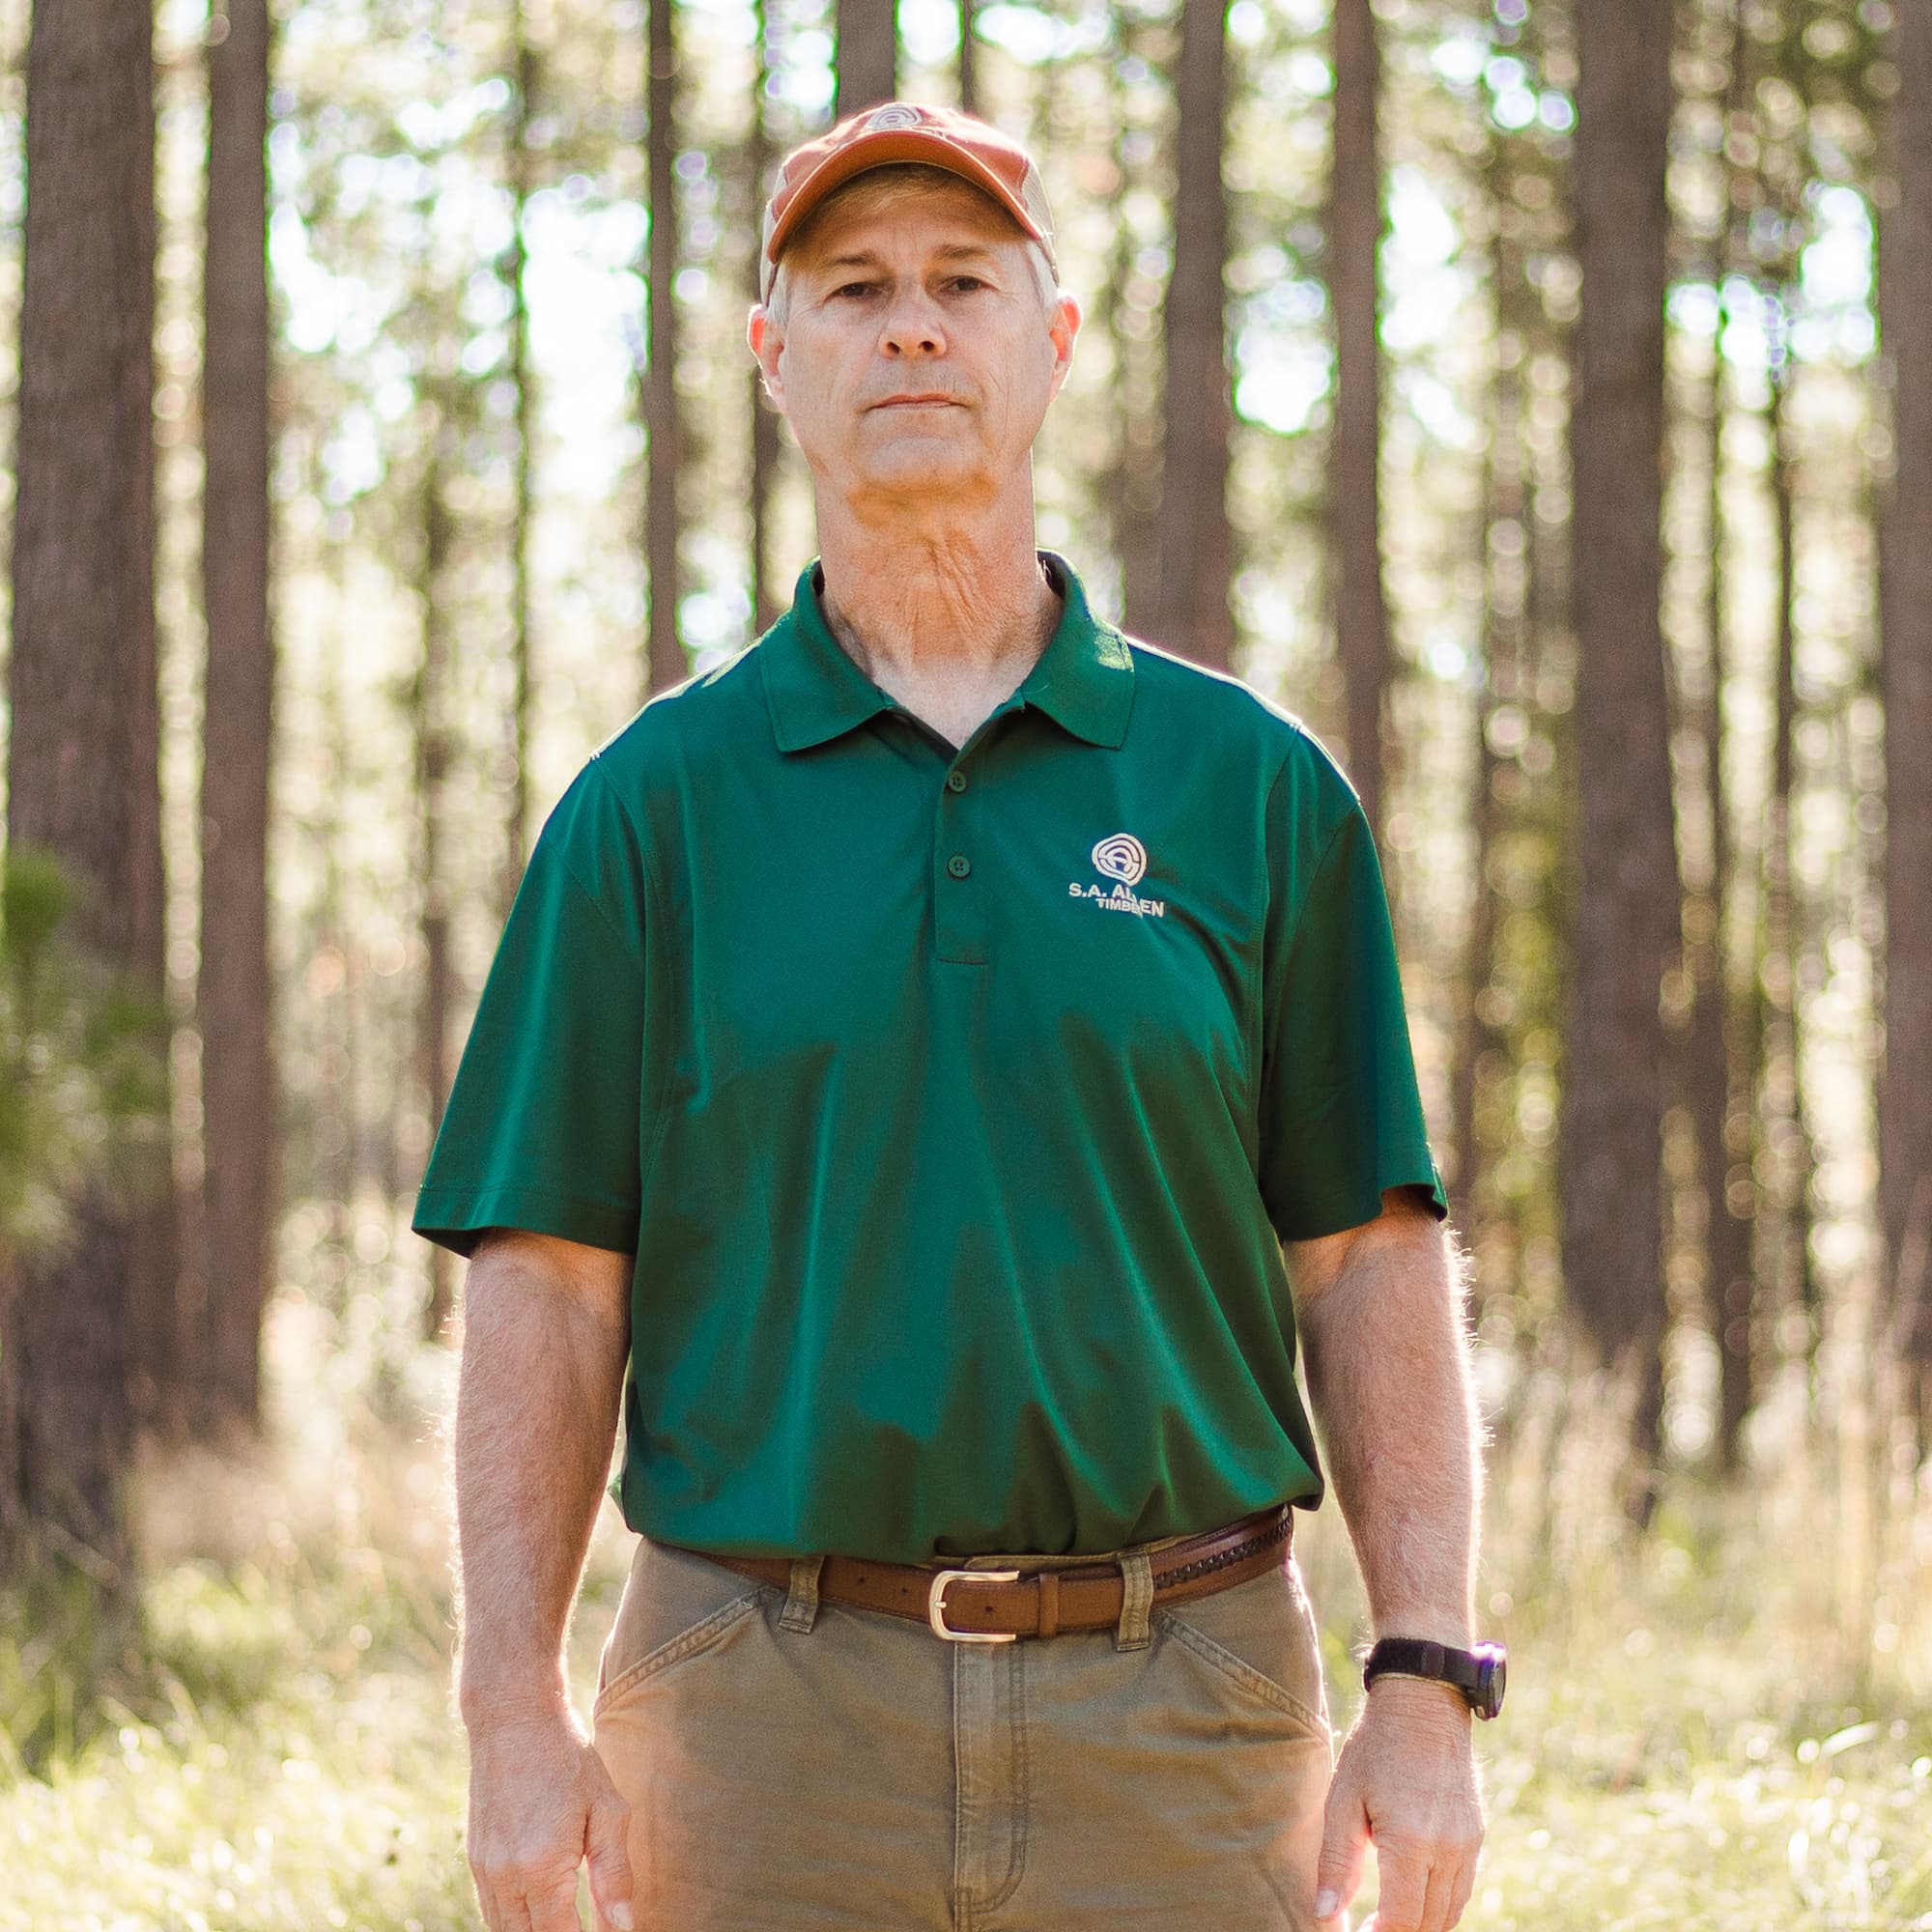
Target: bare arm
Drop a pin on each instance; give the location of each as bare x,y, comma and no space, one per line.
546,1334
1380,1310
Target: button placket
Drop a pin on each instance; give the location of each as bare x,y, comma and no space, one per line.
959,927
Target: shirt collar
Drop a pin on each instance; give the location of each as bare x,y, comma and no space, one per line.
1084,679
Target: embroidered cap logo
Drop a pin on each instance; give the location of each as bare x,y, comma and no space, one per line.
1121,856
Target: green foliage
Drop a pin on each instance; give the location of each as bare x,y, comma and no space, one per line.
81,1078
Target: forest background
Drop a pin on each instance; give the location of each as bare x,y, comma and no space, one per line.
1537,399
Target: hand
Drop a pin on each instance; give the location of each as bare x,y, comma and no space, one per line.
540,1803
1406,1779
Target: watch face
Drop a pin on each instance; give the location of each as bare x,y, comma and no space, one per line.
1492,1673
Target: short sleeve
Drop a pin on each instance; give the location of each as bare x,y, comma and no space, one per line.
544,1124
1340,1115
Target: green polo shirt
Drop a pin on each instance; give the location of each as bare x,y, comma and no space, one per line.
952,1102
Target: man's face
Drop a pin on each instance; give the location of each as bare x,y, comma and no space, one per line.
916,361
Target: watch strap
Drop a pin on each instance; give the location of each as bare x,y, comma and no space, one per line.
1416,1657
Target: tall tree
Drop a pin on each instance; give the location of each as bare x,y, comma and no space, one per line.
430,718
867,54
1355,489
1625,914
1781,1048
524,61
233,999
1720,1052
1131,488
969,58
1195,543
1905,609
663,424
82,751
764,451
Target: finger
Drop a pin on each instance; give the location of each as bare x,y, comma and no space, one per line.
554,1908
502,1905
505,1913
1465,1885
1443,1875
1345,1839
610,1862
1404,1886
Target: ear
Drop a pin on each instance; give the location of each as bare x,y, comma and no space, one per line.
766,337
1062,329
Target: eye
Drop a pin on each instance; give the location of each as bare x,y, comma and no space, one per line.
968,282
852,288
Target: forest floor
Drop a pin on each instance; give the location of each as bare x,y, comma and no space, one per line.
1699,1734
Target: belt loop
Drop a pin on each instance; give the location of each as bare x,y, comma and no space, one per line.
801,1608
1136,1600
1049,1602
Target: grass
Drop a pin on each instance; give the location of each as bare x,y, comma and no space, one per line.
1723,1728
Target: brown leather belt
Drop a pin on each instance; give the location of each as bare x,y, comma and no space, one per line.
998,1606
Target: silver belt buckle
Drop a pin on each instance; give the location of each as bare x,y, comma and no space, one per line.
936,1606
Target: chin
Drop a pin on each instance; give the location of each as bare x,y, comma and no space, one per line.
931,471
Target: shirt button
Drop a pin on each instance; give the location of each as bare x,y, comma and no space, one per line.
959,864
956,780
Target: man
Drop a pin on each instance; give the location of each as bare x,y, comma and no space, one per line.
909,1049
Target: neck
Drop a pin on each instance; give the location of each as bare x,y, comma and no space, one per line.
922,596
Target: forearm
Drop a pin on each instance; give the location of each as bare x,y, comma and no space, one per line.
1388,1370
536,1414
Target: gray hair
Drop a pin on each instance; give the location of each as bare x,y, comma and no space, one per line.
885,188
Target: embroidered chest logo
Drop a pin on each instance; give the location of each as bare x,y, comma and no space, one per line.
1122,858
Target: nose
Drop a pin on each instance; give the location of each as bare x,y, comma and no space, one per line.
911,325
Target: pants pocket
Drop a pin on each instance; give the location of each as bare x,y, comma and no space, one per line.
1261,1636
675,1604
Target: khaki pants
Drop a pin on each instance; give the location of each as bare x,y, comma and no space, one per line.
797,1766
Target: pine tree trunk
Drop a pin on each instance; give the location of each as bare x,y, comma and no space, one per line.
1795,1160
233,999
1354,546
758,160
1133,480
516,805
82,750
1905,607
1722,1070
1505,607
867,54
1625,912
667,666
969,62
431,749
1195,544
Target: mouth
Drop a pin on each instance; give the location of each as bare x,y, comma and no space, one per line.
928,402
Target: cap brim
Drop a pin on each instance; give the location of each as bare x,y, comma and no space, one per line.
876,151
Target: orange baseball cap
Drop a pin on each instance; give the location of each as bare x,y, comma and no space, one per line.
903,131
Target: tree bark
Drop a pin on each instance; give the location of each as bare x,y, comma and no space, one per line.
969,60
1722,1052
82,751
1794,1158
431,767
1905,613
1195,542
233,999
663,424
516,261
1625,915
758,159
1133,478
1507,584
1354,546
867,54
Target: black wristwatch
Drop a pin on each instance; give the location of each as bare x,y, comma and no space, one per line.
1477,1673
